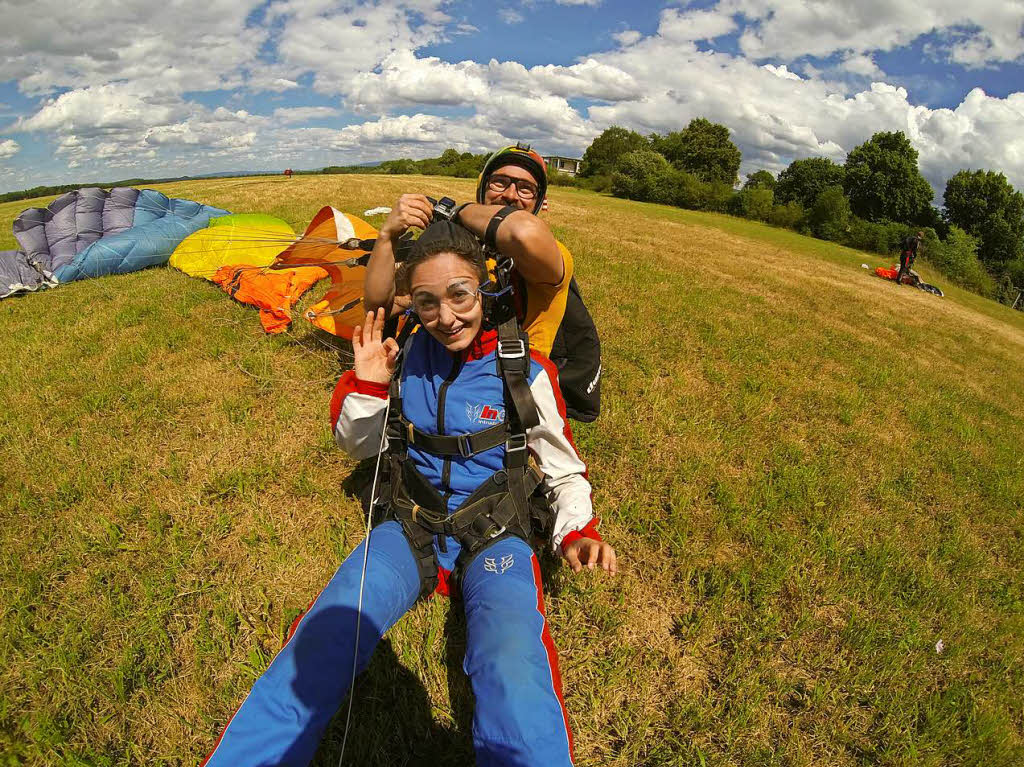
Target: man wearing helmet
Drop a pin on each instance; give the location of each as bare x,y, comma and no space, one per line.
909,247
510,192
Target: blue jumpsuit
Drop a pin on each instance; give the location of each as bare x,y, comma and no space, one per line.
519,715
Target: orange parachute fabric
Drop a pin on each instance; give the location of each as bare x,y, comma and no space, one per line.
274,292
342,305
886,274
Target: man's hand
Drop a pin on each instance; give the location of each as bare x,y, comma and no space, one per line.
410,210
379,282
374,360
586,552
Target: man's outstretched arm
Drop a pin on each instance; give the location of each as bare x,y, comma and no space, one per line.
524,238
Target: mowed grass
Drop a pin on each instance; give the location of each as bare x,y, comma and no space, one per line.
811,477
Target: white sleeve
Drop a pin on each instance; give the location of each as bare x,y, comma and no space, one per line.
556,456
359,427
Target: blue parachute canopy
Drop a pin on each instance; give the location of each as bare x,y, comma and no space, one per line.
93,232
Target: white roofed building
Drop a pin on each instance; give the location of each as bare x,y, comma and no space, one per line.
570,165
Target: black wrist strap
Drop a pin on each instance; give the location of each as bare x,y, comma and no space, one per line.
492,226
458,212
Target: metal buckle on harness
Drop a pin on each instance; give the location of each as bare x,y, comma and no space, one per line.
465,449
496,533
516,349
515,443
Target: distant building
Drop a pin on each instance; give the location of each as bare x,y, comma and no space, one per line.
570,165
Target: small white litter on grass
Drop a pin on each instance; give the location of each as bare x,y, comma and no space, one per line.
939,647
376,211
864,266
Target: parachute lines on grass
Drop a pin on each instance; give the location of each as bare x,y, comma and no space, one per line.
362,580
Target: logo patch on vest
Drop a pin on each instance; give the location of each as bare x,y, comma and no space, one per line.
491,565
486,414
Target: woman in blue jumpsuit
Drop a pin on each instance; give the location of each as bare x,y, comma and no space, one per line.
449,386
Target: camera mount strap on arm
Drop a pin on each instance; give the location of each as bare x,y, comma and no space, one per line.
491,233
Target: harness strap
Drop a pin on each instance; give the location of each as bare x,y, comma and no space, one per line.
464,445
493,509
422,544
491,233
513,360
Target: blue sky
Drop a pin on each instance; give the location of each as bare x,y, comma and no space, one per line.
153,88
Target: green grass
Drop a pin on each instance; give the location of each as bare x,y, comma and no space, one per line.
810,475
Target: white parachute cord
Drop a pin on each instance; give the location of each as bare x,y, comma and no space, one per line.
362,579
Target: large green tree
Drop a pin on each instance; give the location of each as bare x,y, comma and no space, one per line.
702,148
805,179
449,158
829,217
986,206
882,180
603,155
761,179
636,174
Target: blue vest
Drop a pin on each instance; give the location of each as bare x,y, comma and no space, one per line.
450,395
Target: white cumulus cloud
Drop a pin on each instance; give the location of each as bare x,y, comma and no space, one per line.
293,115
103,109
980,32
775,116
627,37
338,42
9,148
184,45
511,16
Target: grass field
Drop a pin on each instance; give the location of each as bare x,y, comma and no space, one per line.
811,477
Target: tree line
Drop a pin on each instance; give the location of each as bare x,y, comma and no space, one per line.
450,163
870,202
46,191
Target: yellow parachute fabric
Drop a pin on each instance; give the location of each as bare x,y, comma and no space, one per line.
245,239
342,305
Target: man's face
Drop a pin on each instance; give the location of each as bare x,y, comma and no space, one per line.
510,195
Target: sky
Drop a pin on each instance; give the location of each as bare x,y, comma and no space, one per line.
104,90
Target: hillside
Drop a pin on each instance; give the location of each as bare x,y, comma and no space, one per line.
811,477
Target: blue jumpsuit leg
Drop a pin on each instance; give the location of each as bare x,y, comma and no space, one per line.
283,718
519,717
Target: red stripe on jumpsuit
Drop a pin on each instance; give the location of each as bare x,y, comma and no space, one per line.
552,653
590,529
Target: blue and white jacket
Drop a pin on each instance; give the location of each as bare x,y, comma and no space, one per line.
451,394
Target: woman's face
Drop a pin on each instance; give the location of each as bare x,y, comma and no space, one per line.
444,294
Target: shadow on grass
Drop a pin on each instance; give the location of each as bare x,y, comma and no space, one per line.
318,342
393,722
392,719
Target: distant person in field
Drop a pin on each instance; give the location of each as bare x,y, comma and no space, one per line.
511,191
908,254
